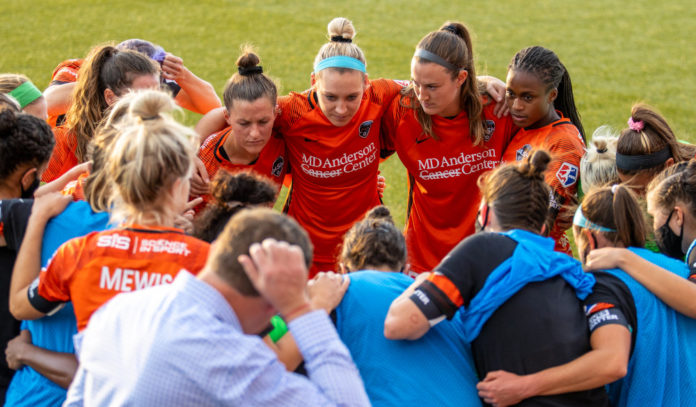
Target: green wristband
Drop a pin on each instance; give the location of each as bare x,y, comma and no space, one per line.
279,328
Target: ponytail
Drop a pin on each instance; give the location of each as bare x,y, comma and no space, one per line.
617,209
104,68
598,165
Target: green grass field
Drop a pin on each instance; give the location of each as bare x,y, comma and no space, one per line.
617,52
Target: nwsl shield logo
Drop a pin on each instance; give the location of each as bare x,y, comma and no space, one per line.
490,128
277,168
523,152
567,174
365,129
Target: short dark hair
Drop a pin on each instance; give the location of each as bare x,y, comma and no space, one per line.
24,139
246,228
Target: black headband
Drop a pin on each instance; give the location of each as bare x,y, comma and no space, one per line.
642,162
429,56
252,70
451,29
338,38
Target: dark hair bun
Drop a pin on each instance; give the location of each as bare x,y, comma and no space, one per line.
380,212
248,59
535,164
455,28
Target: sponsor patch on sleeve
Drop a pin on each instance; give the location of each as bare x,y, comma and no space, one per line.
603,313
567,174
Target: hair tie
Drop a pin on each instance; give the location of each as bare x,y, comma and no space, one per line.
338,38
159,55
451,29
635,125
429,56
613,189
150,117
252,70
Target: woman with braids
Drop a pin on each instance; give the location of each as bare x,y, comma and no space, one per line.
247,143
106,74
149,164
26,143
646,147
540,97
508,292
28,96
446,135
641,348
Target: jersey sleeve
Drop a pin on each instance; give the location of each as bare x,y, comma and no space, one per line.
54,279
611,302
563,172
387,134
66,72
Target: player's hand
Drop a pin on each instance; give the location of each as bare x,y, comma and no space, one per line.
200,182
326,290
59,183
501,388
278,272
495,88
49,205
172,67
381,185
606,258
16,348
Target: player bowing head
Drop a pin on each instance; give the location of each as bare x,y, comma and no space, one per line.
540,97
149,163
247,143
106,74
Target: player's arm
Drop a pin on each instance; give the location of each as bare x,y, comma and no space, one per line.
196,94
677,292
212,122
28,263
423,305
58,97
605,363
57,367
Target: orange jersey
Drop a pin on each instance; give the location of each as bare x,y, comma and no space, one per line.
65,72
271,163
564,142
443,195
92,269
63,157
334,169
76,188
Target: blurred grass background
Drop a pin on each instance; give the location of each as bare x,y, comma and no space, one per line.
617,52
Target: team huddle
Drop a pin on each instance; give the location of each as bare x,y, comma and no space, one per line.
147,267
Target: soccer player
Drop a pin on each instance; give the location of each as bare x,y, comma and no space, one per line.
446,135
26,143
646,147
641,348
508,292
106,74
540,96
149,164
188,90
247,143
28,96
671,202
